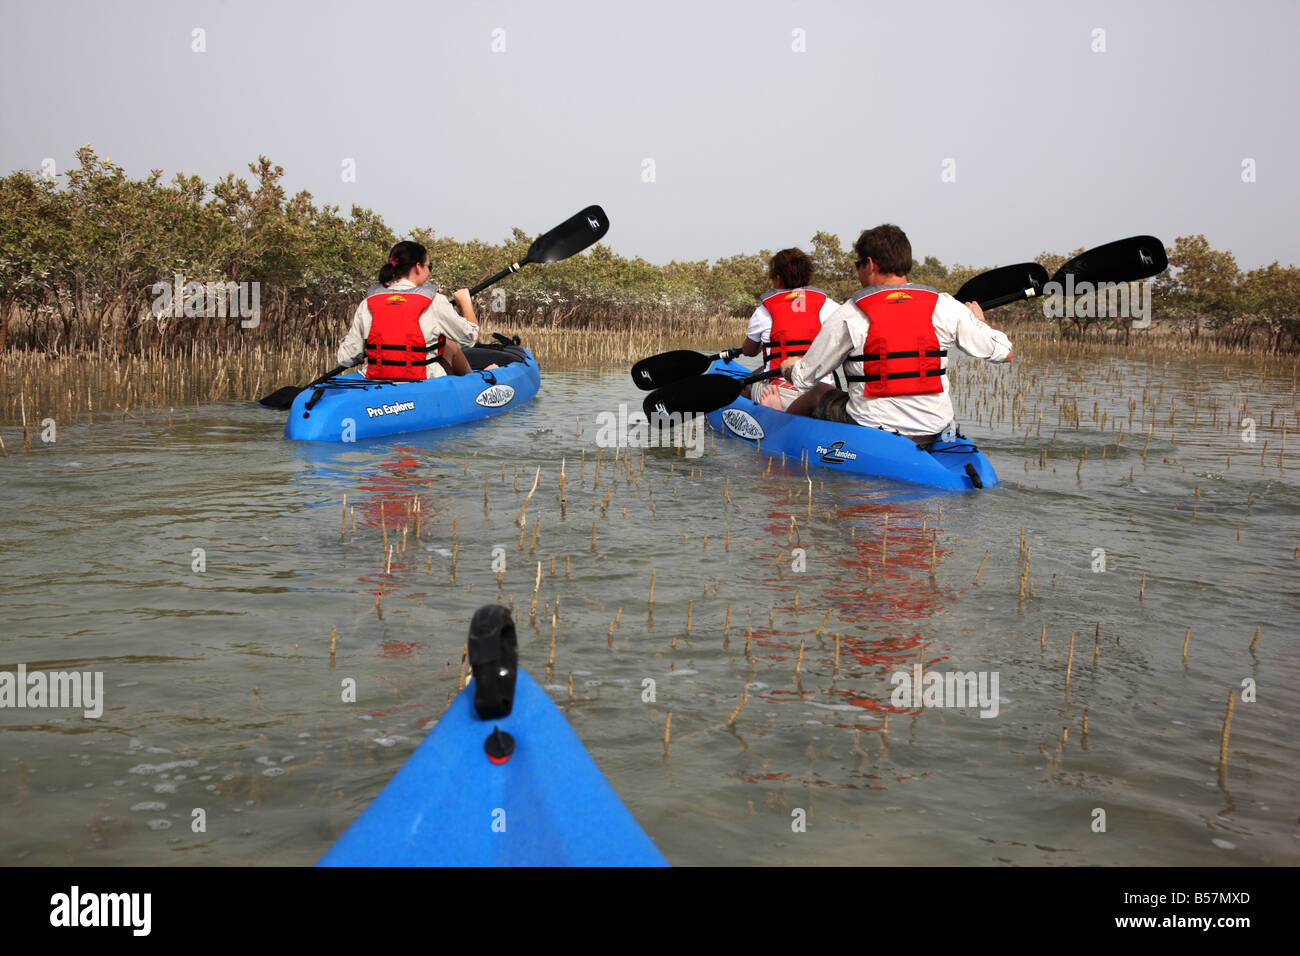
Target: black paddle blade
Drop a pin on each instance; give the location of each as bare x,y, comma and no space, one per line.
668,367
1126,260
281,398
1003,281
703,394
570,237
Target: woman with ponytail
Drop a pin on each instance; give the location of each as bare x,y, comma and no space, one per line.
405,328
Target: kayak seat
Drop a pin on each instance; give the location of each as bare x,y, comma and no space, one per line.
481,356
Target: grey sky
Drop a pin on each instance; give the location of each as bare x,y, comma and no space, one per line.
754,145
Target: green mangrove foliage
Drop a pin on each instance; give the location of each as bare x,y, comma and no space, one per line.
106,263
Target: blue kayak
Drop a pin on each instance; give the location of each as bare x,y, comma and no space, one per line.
458,802
352,407
953,462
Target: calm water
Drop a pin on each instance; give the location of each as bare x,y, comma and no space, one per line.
220,695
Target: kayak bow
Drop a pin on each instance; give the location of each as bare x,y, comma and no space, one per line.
512,789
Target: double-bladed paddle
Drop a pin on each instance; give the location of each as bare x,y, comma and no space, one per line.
1126,260
567,239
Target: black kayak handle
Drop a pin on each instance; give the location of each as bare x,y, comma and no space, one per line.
494,660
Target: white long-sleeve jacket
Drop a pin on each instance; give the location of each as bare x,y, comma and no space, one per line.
440,318
845,333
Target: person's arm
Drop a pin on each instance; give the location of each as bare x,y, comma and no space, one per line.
826,353
466,305
758,332
447,321
1001,336
353,349
970,332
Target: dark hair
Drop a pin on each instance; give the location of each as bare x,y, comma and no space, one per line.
888,246
406,255
792,268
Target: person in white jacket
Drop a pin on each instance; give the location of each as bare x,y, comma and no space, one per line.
892,337
405,328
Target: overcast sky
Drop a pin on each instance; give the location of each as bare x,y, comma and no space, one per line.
989,130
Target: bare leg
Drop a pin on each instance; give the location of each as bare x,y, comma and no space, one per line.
805,403
453,359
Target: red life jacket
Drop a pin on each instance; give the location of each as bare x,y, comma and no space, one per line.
395,347
796,320
902,354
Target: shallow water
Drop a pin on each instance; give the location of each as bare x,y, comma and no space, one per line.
221,697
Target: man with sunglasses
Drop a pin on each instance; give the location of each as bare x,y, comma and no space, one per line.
892,337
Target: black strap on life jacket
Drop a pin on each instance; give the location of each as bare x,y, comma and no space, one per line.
372,353
876,357
787,351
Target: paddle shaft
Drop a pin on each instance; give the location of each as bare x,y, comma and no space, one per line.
567,239
1010,297
330,374
508,270
761,376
